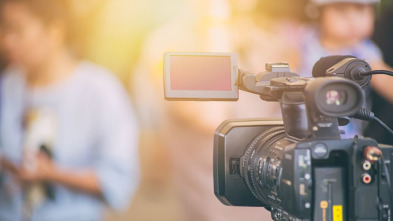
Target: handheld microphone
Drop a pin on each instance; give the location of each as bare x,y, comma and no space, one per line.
348,67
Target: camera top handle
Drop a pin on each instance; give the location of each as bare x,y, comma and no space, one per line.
327,100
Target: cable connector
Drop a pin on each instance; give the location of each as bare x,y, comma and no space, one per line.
364,114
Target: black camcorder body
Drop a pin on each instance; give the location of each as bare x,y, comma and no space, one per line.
257,164
298,167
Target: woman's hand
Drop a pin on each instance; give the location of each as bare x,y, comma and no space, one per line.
43,171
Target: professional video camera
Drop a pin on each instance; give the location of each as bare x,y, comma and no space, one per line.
299,168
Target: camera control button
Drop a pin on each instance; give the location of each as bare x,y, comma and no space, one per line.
319,150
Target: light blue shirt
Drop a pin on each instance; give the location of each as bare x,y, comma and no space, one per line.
312,50
97,130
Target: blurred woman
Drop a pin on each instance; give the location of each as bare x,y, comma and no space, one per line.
68,135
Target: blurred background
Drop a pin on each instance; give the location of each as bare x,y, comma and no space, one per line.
258,30
129,38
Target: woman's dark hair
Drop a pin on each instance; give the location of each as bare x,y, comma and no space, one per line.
48,11
294,9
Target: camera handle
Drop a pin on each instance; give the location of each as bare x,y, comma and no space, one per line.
279,84
257,83
293,113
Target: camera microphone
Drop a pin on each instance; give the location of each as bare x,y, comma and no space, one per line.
320,68
348,67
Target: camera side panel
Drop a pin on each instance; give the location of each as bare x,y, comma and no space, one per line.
230,142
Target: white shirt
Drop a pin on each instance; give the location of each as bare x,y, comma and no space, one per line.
96,130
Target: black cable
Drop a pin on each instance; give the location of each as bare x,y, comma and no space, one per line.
390,73
364,114
382,124
385,168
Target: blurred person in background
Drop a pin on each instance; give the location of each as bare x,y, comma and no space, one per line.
187,128
343,27
68,136
266,31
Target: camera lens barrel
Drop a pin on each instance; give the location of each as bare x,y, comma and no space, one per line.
261,164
